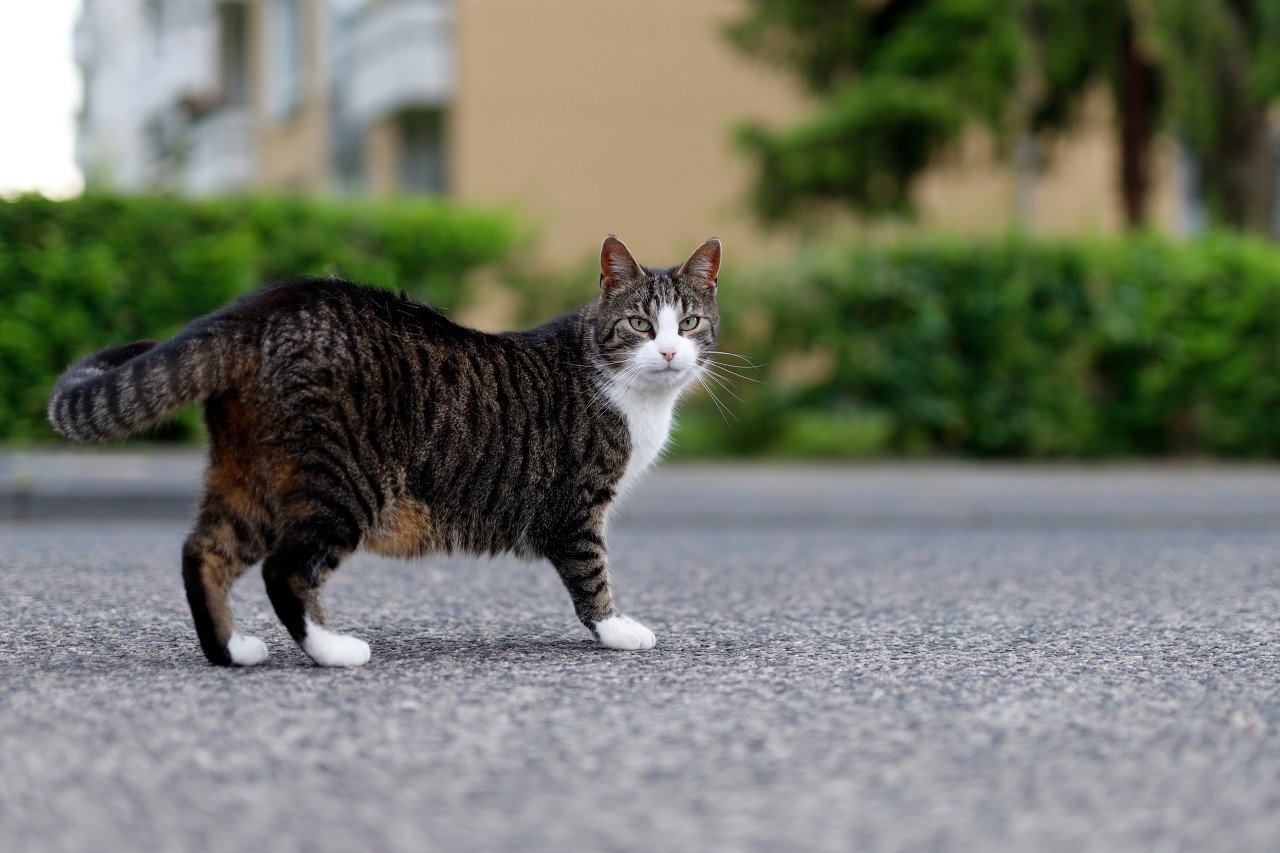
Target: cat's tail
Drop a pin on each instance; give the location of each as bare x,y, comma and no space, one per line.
126,388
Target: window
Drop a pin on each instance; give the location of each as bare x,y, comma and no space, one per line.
154,11
286,59
233,50
422,152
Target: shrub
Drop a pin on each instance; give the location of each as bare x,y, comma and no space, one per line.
1006,348
79,275
1016,348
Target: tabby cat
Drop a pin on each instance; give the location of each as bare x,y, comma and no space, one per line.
343,417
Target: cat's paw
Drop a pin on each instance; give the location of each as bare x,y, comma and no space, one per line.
623,632
246,651
329,649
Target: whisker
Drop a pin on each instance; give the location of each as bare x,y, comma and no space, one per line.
624,378
715,365
728,390
724,410
749,362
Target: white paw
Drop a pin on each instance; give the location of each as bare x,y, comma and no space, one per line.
623,632
329,649
246,651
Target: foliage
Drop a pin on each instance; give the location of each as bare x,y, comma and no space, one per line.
79,275
1006,348
1011,348
1219,62
898,80
863,150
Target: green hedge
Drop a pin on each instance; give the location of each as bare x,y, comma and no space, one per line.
79,275
1006,348
1011,348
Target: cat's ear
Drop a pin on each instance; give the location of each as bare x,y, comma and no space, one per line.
616,264
704,263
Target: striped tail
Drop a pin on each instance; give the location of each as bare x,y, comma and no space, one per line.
126,388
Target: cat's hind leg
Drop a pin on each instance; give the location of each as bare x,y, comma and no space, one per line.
215,555
294,573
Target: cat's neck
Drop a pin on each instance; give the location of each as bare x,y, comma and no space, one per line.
649,414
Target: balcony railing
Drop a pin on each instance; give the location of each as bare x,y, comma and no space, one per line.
221,157
402,56
184,66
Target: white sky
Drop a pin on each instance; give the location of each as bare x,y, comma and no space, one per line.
39,95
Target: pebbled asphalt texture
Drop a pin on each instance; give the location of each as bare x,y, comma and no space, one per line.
883,658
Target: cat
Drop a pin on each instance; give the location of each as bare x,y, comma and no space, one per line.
343,417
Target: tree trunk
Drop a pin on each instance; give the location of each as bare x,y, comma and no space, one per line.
1239,166
1247,173
1135,99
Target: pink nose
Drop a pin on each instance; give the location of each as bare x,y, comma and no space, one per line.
668,354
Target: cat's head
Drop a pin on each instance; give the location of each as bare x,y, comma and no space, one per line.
655,328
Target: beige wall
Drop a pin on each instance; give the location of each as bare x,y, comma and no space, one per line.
972,191
382,157
595,117
598,117
617,116
293,152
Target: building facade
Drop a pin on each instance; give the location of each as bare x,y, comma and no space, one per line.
215,96
587,117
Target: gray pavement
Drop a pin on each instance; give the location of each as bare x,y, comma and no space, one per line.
896,657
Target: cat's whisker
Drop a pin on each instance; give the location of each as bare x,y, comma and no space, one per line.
749,362
724,368
727,388
623,380
724,410
746,360
723,381
633,373
727,376
745,365
598,398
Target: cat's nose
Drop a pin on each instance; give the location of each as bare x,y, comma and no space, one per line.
668,354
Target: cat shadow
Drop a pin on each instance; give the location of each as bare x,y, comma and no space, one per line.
414,645
410,644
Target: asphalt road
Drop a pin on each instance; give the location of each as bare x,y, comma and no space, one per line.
883,658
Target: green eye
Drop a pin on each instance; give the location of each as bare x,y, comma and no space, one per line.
688,324
640,324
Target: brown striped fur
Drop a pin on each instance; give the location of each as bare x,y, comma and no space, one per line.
342,417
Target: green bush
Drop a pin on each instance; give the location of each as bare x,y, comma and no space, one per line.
79,275
1005,348
1013,348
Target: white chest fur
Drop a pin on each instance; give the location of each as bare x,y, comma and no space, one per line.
648,414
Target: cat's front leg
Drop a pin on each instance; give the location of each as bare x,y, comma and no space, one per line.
623,632
584,568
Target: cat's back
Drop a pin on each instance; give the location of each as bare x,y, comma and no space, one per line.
339,307
404,368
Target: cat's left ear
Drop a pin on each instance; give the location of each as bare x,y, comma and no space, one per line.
704,263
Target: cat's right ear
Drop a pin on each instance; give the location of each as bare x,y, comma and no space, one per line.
617,266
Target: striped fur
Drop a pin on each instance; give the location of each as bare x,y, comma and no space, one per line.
343,417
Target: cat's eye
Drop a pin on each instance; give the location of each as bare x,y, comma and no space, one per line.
688,324
640,324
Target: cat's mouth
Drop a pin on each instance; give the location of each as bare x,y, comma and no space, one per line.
668,374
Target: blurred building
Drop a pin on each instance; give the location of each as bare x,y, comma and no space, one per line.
214,96
586,116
